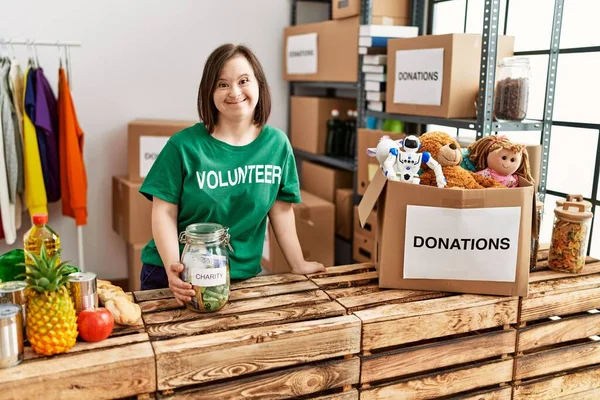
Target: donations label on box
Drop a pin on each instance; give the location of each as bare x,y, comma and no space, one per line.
472,244
419,77
302,54
150,147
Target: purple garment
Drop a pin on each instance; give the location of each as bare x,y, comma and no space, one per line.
46,123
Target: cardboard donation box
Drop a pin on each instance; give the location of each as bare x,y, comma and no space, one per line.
367,166
452,240
322,51
399,9
132,212
437,75
344,202
315,227
145,139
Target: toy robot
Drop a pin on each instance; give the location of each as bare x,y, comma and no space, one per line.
401,162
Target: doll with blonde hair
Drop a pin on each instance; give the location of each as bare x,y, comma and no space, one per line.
498,158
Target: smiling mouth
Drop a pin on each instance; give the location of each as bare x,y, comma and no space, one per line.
448,159
235,102
506,167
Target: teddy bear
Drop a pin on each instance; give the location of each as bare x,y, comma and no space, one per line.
448,153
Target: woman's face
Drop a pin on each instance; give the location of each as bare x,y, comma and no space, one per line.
236,93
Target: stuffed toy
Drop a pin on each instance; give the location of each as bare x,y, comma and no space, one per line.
498,158
448,153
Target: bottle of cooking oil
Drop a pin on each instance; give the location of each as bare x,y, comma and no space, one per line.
40,233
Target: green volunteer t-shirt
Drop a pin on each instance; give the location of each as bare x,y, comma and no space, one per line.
235,186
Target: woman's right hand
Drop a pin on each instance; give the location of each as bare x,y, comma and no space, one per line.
182,290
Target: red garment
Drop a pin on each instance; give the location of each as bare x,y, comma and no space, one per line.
73,180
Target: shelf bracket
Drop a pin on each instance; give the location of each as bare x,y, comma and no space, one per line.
487,77
550,93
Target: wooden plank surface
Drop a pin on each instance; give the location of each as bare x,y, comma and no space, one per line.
353,291
560,304
346,280
156,294
271,290
302,312
237,307
347,395
568,385
568,284
593,267
343,270
556,360
283,384
383,297
444,383
265,280
428,357
197,359
114,372
560,331
503,393
435,318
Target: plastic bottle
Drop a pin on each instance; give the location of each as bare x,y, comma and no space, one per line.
333,128
40,233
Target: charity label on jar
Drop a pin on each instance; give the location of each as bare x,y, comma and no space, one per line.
207,270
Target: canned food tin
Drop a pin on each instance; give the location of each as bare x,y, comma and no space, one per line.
11,335
14,292
82,286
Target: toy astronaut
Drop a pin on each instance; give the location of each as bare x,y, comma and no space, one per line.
400,161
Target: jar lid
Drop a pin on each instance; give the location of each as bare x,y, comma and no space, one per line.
81,276
573,211
515,61
12,286
9,310
575,198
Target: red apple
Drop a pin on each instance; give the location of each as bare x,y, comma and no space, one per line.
95,325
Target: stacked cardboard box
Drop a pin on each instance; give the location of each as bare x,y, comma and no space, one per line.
132,212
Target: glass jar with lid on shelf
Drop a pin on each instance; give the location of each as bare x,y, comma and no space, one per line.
512,89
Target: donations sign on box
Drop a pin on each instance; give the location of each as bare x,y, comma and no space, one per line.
445,243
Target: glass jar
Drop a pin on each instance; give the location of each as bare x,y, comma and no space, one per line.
205,258
535,235
512,89
570,235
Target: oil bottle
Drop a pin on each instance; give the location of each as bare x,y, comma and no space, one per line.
40,233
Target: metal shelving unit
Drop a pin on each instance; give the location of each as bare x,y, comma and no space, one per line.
484,124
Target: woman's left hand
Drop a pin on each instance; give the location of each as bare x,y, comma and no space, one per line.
308,267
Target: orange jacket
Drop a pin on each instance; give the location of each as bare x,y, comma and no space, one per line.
73,181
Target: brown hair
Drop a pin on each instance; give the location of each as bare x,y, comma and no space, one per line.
212,69
480,150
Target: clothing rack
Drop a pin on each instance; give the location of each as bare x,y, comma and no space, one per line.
30,43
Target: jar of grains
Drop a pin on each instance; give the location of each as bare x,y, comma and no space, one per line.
512,89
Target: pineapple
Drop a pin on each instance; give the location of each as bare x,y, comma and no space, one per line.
51,319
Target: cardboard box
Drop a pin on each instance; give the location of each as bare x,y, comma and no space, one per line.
364,249
145,140
380,8
331,56
344,205
315,227
323,181
134,265
369,230
367,166
452,240
309,117
132,212
441,79
390,21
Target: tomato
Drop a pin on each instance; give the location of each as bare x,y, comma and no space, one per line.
95,325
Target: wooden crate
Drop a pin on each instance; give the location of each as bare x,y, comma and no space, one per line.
120,366
279,337
418,344
557,332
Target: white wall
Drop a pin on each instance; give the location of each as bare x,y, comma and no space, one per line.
139,58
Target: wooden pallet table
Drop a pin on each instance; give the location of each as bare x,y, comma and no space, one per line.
118,367
279,337
425,345
558,350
